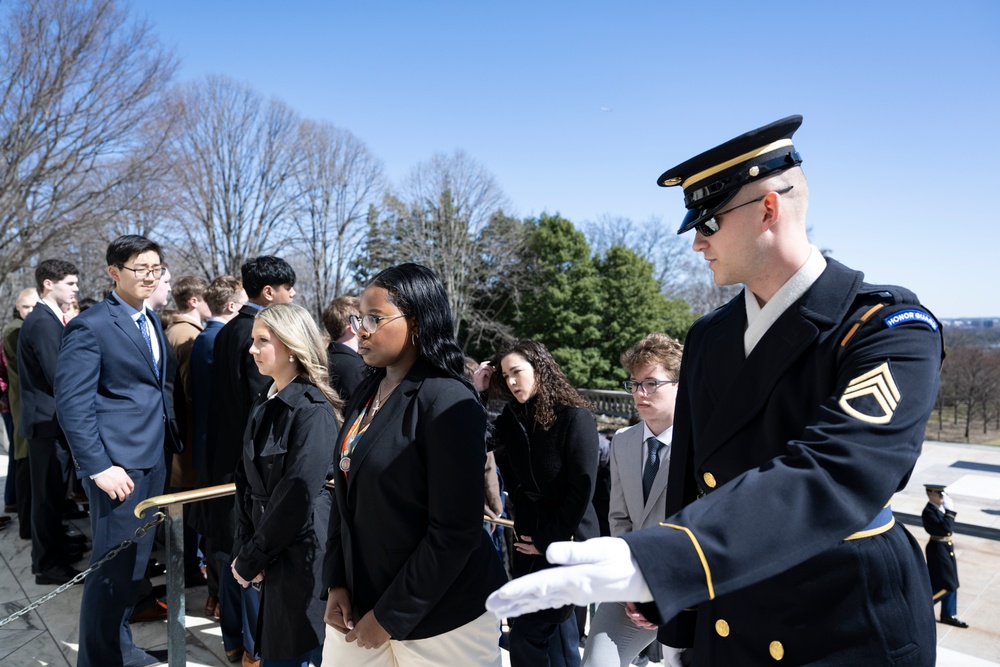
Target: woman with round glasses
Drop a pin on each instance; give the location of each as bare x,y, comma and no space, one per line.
409,565
546,446
282,503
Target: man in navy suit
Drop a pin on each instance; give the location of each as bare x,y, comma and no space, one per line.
114,409
48,457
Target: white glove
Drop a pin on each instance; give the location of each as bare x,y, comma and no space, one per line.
946,502
597,570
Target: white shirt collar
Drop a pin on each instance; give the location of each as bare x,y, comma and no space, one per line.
759,320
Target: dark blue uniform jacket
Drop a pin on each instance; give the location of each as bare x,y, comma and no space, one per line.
777,459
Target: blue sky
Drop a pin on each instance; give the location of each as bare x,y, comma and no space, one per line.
577,107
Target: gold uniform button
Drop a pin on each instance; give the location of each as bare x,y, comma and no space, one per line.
722,628
709,480
776,650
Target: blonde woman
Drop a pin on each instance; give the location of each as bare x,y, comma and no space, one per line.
282,505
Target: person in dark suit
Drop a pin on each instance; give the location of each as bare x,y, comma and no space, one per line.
114,409
938,518
236,383
282,503
48,455
801,410
225,297
347,369
545,441
408,563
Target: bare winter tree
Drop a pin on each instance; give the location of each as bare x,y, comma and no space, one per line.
448,217
79,84
338,179
234,162
680,271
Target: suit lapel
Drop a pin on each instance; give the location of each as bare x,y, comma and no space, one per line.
128,326
631,471
389,415
791,335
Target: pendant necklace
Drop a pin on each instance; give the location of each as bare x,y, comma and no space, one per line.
378,398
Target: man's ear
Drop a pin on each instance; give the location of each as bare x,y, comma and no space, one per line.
772,210
113,271
267,293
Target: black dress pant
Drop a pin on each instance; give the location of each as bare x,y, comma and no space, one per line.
23,490
49,462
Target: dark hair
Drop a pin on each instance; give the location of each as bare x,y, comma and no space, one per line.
552,387
186,287
86,302
124,248
418,293
54,270
336,314
259,272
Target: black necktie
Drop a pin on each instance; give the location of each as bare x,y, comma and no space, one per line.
652,466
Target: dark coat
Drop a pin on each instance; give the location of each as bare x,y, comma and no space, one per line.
114,407
282,511
941,563
407,539
37,354
552,473
347,369
236,384
777,459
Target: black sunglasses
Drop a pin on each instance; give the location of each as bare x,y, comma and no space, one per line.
711,225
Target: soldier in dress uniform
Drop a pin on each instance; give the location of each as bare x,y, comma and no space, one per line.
800,412
939,522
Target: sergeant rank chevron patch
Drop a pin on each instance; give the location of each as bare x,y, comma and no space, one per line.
872,397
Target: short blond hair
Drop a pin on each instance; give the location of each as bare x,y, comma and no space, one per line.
655,349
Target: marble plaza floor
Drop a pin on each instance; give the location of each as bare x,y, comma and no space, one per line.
48,635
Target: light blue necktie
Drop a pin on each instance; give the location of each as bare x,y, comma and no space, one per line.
144,330
652,466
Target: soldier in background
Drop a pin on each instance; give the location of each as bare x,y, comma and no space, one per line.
939,522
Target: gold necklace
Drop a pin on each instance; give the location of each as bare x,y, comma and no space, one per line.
378,397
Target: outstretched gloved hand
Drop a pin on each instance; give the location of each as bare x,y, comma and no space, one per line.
597,570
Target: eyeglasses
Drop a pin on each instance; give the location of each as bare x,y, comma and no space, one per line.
711,225
648,386
144,273
369,322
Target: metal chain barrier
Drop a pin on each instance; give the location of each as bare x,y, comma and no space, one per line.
140,532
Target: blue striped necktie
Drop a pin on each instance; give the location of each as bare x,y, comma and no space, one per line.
144,330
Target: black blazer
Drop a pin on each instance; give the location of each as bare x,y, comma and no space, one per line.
347,369
37,354
236,383
407,539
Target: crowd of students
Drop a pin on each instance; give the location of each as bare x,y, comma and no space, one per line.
389,564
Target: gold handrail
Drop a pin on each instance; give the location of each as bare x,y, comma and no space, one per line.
182,497
222,490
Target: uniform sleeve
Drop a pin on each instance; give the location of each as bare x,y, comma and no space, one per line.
938,523
829,482
452,433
